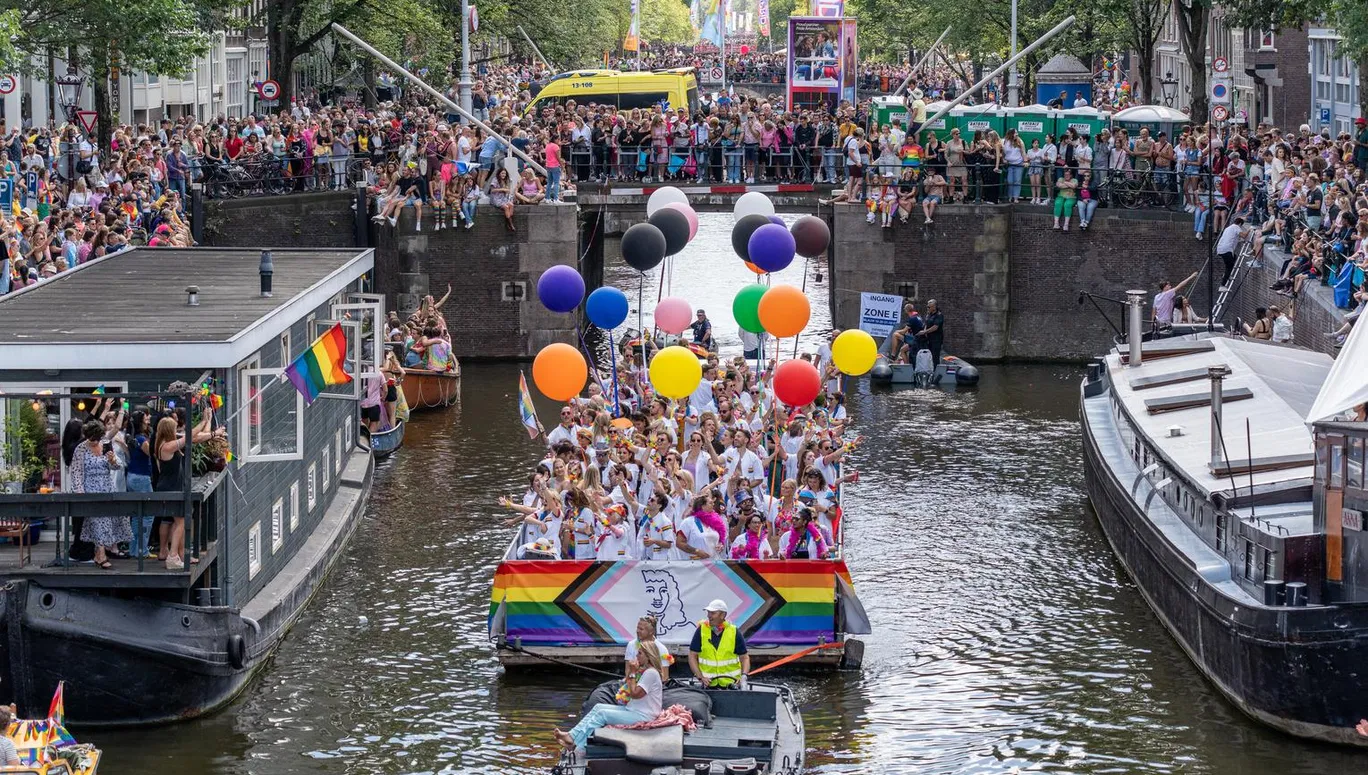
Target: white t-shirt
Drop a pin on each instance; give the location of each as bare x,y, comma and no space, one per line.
648,706
615,547
584,534
658,528
561,433
747,461
698,535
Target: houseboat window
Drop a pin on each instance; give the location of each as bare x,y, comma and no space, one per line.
1355,479
1336,444
1320,459
285,355
1220,532
1267,564
1248,560
294,505
273,429
277,525
254,550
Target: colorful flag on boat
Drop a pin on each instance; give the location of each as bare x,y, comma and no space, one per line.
526,408
58,707
320,365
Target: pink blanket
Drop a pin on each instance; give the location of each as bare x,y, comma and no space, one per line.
675,714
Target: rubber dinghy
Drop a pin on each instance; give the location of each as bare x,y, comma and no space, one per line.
753,731
951,372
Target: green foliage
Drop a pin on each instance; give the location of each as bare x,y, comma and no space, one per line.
665,22
160,36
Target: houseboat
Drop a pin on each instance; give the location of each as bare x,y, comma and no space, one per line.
203,336
1232,492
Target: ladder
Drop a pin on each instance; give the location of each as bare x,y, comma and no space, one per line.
1244,261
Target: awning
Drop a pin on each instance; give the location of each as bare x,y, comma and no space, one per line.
1346,386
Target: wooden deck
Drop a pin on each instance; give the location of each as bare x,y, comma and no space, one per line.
123,574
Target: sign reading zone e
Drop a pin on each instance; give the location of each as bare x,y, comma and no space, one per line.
879,313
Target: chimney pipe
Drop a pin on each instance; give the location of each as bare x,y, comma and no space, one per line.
1134,330
192,296
267,269
1216,374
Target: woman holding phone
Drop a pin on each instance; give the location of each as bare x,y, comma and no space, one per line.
91,466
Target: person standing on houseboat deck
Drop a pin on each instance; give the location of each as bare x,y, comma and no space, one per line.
91,469
169,447
702,331
717,653
643,689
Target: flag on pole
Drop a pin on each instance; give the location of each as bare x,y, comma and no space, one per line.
58,707
713,23
320,365
633,41
762,9
526,408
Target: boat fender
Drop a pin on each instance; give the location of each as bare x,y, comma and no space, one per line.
966,374
853,655
237,651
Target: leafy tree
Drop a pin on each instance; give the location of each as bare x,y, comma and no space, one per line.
1139,23
1349,18
1194,24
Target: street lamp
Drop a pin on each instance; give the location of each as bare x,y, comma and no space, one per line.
69,92
1169,84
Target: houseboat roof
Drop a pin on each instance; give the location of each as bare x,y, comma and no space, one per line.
1270,386
129,310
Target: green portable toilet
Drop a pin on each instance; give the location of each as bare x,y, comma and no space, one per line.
1032,122
978,118
1087,121
887,108
940,127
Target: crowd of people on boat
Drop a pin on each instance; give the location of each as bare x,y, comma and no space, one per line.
728,472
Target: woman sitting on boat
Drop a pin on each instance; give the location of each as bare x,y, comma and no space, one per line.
643,691
804,541
436,351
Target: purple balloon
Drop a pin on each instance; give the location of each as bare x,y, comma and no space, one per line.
560,288
771,247
776,219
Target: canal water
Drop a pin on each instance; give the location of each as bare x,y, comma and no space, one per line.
1005,636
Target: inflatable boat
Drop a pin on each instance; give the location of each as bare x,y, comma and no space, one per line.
753,731
951,372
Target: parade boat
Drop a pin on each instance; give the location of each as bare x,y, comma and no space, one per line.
1234,498
426,389
753,731
213,336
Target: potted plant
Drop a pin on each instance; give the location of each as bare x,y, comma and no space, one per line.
12,478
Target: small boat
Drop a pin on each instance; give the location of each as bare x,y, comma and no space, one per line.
951,372
385,443
753,731
424,389
45,747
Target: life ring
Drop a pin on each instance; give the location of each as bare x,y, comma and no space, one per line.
237,652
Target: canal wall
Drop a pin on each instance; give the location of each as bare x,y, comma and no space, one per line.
317,220
1007,283
1313,313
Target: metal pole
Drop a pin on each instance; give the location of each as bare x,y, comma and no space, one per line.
1135,302
536,50
465,60
722,22
1012,76
919,64
1058,28
391,64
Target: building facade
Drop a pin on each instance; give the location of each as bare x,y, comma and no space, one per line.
1334,86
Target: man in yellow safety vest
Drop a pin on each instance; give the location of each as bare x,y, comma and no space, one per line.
717,654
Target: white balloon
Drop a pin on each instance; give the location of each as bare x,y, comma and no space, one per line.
663,196
753,203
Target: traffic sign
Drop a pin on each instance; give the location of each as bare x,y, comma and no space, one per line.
31,183
8,83
6,195
86,118
1219,113
1220,90
1220,65
268,90
1325,115
474,21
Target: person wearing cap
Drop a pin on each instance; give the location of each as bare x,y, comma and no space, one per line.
702,331
717,652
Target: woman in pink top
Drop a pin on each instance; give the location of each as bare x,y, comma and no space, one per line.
529,190
552,153
769,146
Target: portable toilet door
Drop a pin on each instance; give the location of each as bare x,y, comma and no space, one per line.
940,127
978,118
887,108
1031,122
1088,121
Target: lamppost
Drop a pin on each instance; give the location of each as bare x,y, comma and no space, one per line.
69,95
1169,84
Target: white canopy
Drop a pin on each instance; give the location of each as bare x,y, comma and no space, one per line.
1347,384
1152,114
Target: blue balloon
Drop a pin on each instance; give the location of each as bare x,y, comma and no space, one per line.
560,288
777,219
771,247
606,307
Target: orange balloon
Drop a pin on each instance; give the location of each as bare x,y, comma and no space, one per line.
754,268
784,311
560,371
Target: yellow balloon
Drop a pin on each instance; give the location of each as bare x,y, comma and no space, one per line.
854,352
675,372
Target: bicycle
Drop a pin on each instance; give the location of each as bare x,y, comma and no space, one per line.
1144,189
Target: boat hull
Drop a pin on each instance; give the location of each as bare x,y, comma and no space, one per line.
1295,669
382,445
430,389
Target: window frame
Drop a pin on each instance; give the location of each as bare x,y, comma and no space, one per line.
249,454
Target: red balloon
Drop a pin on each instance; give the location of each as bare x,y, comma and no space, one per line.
797,383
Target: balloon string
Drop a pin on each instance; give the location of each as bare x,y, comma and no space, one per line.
612,352
588,354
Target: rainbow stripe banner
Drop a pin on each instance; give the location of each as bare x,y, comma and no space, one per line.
574,603
320,365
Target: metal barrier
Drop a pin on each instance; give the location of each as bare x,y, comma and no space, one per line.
266,174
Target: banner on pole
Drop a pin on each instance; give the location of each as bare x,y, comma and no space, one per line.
762,9
633,41
879,313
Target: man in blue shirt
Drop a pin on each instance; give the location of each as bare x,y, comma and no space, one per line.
907,332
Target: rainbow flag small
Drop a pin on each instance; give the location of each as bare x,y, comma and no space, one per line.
57,710
320,365
526,409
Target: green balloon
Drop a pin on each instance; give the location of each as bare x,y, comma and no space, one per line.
746,308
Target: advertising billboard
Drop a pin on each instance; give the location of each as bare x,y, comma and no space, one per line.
822,56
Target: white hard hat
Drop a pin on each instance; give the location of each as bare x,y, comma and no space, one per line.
716,605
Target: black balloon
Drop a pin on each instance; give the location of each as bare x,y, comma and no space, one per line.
742,231
643,246
811,236
674,225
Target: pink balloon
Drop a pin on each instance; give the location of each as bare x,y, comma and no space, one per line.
673,315
688,213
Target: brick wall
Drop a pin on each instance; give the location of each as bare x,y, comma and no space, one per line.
315,220
476,263
1007,283
1313,314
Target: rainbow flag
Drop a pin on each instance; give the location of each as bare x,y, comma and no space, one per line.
911,155
320,365
527,409
57,709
